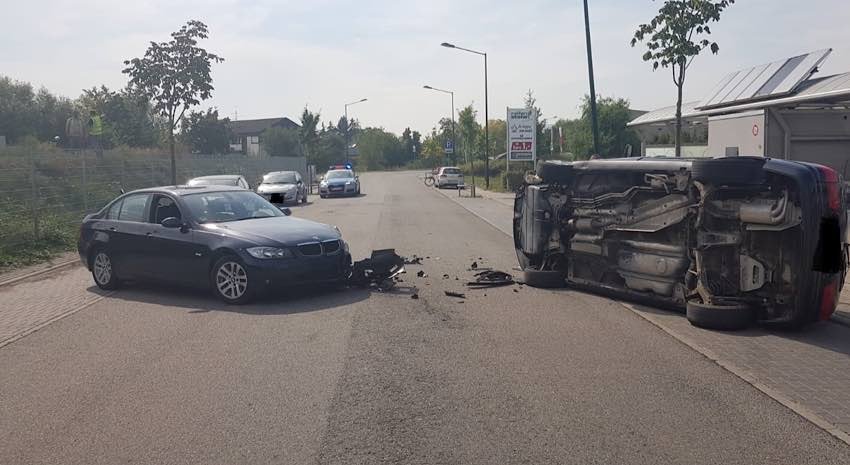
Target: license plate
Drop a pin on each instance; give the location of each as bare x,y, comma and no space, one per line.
336,188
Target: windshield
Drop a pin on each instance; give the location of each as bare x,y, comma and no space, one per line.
280,178
221,207
339,174
451,171
214,182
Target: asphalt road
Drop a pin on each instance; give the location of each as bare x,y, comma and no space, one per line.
508,375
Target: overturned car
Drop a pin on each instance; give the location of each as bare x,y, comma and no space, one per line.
731,240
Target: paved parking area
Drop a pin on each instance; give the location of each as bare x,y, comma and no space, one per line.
808,371
30,304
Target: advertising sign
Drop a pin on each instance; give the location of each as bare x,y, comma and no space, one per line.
522,134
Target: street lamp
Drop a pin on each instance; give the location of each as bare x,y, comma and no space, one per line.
452,113
593,117
348,128
486,114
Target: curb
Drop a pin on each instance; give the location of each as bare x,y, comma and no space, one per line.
34,274
457,202
740,373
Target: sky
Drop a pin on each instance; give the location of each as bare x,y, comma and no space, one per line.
284,55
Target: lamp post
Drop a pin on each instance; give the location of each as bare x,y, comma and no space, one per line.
452,113
348,129
486,114
552,136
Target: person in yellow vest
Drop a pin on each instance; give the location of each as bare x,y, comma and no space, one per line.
75,131
95,133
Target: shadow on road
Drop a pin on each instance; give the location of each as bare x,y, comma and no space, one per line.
283,302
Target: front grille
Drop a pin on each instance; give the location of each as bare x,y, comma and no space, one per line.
330,246
313,248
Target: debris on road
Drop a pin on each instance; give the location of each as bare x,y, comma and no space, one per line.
379,270
491,278
455,294
446,276
421,274
474,265
414,296
413,261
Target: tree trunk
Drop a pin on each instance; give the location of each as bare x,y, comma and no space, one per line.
171,147
679,86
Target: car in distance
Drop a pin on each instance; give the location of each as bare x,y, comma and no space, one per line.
280,187
220,180
450,176
224,238
339,182
732,240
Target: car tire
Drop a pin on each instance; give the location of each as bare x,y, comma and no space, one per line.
103,272
720,317
553,172
544,279
230,280
322,196
730,170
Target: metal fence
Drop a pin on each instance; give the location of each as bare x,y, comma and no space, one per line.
43,197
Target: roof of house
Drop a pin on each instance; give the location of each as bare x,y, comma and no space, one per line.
828,90
254,127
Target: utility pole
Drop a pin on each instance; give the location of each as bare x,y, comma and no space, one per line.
594,119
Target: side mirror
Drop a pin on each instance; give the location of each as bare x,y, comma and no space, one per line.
286,211
171,222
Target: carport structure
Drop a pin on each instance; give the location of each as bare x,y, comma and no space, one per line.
777,109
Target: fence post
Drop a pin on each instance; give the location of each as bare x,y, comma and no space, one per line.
34,199
153,175
85,187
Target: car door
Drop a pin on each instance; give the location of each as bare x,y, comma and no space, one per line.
172,253
127,235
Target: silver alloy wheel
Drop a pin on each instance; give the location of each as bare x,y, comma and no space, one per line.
102,268
231,280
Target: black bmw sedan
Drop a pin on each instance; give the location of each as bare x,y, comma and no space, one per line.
225,238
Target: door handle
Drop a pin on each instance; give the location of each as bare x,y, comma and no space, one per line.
149,233
112,228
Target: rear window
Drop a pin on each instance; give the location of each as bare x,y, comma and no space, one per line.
451,171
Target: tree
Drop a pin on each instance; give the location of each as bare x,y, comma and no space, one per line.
613,115
675,36
330,145
128,118
469,133
205,133
379,148
498,136
531,104
175,75
308,134
281,142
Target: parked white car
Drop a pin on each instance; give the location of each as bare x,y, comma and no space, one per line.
450,176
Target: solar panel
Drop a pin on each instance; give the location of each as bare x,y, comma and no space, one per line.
770,80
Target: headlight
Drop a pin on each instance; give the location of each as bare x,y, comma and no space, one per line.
268,252
348,183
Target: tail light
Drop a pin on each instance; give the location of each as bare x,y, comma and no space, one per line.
832,186
827,301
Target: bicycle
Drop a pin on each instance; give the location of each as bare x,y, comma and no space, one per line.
429,179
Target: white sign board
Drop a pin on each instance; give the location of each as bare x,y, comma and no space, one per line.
522,134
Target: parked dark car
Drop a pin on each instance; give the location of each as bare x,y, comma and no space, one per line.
339,182
224,238
220,180
732,240
280,187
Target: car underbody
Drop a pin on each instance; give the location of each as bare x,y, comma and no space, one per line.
726,237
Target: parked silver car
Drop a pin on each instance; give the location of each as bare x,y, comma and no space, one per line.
282,187
220,180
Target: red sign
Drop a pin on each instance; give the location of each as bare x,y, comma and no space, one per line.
520,145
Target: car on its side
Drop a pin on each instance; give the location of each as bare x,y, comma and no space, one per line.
339,182
730,240
280,187
220,180
224,238
448,176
